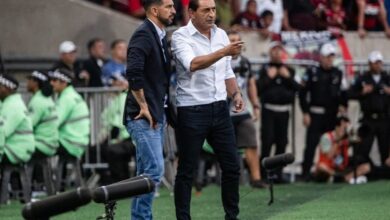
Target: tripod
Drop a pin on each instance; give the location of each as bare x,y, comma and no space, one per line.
109,214
271,176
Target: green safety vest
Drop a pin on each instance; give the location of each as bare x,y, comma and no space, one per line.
44,119
2,137
74,122
17,130
112,116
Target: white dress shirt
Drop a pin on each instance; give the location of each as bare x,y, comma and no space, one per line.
203,86
161,34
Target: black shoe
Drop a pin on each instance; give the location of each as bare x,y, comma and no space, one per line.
259,184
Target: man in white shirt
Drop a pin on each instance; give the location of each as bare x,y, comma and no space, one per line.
204,79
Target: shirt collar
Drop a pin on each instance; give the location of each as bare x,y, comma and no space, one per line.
161,32
193,29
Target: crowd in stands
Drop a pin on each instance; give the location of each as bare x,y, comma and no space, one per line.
274,16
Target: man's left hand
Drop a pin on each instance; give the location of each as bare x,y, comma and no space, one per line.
239,104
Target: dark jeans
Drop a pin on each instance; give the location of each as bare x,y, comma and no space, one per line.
376,128
274,130
195,124
318,126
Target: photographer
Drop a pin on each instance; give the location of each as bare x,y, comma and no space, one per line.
277,89
372,89
333,158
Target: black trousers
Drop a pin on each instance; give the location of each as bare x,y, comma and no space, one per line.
318,126
378,128
195,124
274,130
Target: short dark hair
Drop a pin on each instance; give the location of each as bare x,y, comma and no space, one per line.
341,119
266,13
193,5
91,43
232,32
147,3
116,42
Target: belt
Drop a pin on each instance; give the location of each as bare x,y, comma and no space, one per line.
317,110
277,108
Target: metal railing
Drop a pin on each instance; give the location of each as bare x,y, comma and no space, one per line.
98,98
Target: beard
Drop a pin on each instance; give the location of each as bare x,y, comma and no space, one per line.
165,21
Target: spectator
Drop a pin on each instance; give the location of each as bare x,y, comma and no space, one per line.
17,128
371,17
68,60
277,89
92,68
334,15
117,64
243,122
300,15
135,9
275,6
333,158
372,89
249,20
224,13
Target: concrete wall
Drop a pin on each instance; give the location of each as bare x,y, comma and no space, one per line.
35,28
256,46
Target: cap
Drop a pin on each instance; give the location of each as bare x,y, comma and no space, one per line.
67,47
9,81
375,56
39,76
61,74
274,44
327,50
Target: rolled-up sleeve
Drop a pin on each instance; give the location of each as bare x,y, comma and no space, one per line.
229,71
182,50
138,50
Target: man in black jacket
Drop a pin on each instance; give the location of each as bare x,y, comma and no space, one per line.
321,99
372,89
92,68
148,71
277,89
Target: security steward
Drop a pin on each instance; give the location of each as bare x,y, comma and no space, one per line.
277,89
43,114
372,89
321,99
16,127
73,115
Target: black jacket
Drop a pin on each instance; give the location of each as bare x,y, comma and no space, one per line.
278,90
376,102
148,70
322,88
95,72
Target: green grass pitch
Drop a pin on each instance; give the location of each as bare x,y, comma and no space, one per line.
295,201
